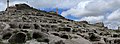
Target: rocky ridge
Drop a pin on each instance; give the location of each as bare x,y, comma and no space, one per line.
22,24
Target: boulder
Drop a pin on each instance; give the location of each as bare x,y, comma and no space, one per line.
77,41
7,35
64,36
33,41
115,35
37,35
22,6
46,40
100,24
65,29
83,22
99,42
20,37
4,26
59,42
94,37
110,40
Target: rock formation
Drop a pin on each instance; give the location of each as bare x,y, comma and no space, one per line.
22,24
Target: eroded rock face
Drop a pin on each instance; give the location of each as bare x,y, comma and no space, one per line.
24,24
112,40
115,35
59,42
4,26
22,6
7,35
100,24
18,38
94,37
83,22
46,40
37,35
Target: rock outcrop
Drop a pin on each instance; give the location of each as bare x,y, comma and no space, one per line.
22,24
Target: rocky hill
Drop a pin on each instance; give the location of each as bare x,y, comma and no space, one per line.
22,24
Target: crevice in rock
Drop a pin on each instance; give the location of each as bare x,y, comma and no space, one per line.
12,26
36,26
18,38
37,35
56,34
7,36
26,27
64,36
59,42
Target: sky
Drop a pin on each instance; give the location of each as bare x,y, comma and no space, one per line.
93,11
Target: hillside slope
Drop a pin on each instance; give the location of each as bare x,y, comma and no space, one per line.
24,24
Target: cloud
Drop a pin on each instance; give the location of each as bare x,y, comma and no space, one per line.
64,4
107,11
55,3
93,19
112,24
93,8
78,10
2,7
115,16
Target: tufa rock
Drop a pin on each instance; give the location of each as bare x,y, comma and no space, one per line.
100,24
18,38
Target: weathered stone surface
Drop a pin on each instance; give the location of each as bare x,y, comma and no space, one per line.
77,41
94,37
34,42
37,35
115,35
18,38
100,24
7,35
83,22
24,24
4,26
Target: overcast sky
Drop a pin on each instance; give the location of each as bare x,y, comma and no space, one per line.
107,11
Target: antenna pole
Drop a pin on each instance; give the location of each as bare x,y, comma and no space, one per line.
56,10
8,3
